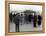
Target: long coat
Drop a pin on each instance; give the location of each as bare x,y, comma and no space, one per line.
35,20
16,19
39,19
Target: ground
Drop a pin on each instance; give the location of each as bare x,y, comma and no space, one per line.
24,27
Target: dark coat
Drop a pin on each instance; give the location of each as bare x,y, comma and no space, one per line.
30,18
16,19
39,19
11,17
35,18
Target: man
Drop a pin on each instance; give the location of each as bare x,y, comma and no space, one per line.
35,20
39,20
10,17
30,17
21,19
16,20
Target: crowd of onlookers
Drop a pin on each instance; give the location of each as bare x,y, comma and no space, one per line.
24,18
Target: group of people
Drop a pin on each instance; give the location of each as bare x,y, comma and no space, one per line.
17,18
36,19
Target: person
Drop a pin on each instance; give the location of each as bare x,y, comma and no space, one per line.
30,18
26,18
39,20
14,16
10,17
35,20
21,18
16,20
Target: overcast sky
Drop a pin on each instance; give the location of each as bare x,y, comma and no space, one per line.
20,8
